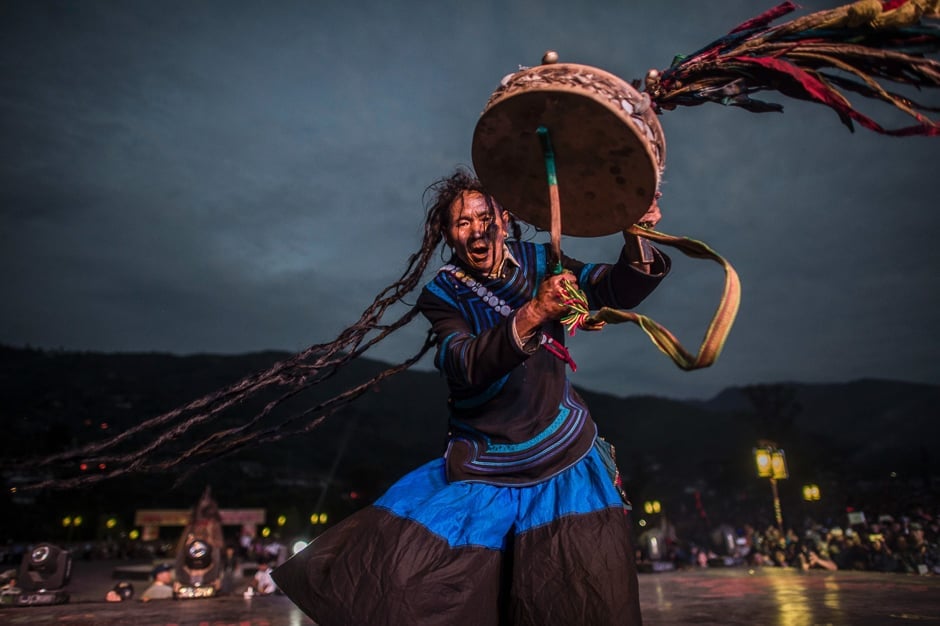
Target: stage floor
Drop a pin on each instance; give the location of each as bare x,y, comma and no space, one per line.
728,596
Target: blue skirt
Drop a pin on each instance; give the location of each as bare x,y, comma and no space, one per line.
434,552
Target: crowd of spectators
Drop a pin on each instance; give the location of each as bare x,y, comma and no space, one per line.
886,545
906,543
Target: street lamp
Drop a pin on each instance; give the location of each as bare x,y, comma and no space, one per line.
772,464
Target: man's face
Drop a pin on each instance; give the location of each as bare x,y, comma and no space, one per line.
164,577
476,231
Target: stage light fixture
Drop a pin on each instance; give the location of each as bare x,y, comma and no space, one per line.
198,554
43,574
199,575
46,567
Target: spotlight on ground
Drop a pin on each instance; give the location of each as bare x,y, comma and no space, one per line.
43,574
198,555
198,566
199,573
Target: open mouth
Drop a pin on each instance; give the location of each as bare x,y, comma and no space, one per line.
479,251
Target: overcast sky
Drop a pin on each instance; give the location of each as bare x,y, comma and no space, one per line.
228,176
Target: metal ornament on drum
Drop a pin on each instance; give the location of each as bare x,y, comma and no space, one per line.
609,148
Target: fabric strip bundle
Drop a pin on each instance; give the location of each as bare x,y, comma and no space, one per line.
856,48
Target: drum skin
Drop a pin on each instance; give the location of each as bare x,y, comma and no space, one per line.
608,144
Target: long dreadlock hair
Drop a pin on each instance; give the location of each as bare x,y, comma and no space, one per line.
165,446
868,40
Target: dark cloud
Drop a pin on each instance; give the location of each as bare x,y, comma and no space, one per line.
231,176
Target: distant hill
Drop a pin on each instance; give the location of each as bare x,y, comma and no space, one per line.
831,432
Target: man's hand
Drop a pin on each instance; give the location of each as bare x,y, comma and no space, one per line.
548,304
652,216
551,297
639,251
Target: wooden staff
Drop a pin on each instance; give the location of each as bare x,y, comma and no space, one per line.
554,200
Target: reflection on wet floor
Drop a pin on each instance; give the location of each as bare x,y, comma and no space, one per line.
729,596
786,597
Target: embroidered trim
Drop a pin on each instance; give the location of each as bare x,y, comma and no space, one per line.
489,458
500,306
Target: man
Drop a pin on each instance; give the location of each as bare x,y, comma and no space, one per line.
522,521
262,583
162,586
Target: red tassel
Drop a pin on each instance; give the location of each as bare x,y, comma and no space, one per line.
767,17
817,90
559,351
890,5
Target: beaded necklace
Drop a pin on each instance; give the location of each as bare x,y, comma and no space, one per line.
502,307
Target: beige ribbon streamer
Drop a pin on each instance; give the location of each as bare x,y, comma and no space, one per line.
721,322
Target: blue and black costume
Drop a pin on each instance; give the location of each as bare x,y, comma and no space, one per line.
521,521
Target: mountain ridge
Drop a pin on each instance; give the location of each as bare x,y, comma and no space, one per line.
834,434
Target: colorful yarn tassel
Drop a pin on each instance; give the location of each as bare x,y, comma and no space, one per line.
579,316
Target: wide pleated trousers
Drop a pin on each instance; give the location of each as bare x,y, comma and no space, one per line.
433,552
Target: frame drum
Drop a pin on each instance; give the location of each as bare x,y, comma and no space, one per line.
608,144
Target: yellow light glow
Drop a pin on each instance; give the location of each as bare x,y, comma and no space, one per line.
265,532
778,463
811,493
314,519
134,534
281,520
77,520
66,521
323,518
762,456
111,523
